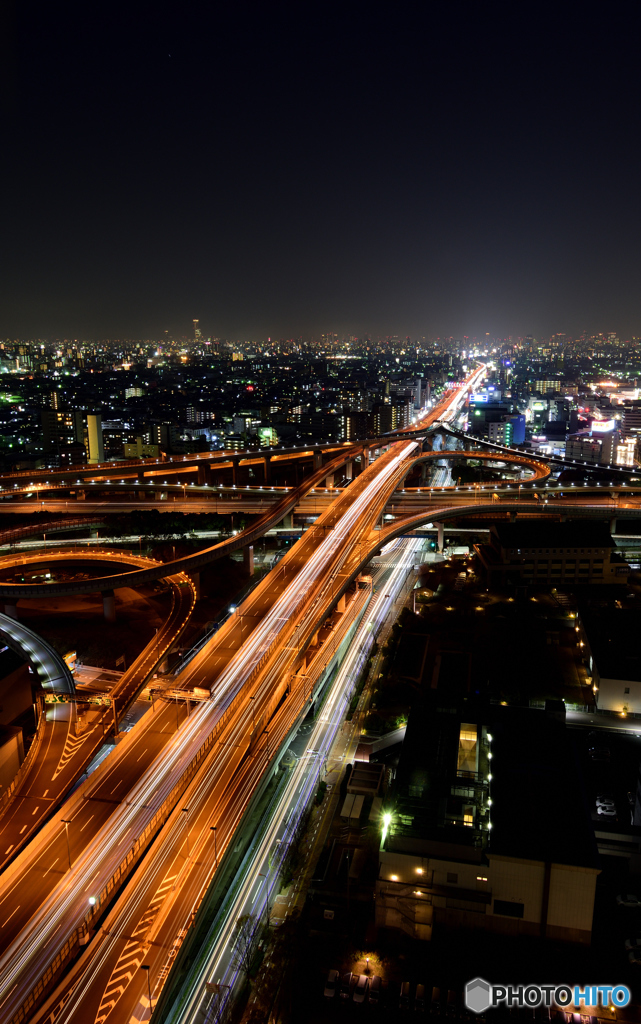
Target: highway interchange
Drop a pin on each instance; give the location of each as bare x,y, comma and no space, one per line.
177,788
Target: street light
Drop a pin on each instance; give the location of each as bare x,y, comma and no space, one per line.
66,824
147,968
185,811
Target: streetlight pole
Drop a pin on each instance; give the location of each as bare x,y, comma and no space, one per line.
147,968
185,811
66,824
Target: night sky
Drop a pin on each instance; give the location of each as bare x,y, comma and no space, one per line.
290,169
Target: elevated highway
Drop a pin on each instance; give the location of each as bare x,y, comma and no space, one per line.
66,742
267,648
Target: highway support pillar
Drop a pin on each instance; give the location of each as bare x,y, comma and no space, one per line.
195,579
109,605
234,471
248,559
512,517
613,527
318,460
349,470
141,495
11,610
93,533
204,473
329,480
365,458
340,604
288,521
440,535
267,469
81,495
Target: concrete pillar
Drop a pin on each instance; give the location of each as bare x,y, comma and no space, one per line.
288,521
349,470
141,495
204,473
512,517
195,579
329,480
81,495
613,527
248,559
93,533
11,610
340,604
234,472
440,528
318,460
109,605
267,468
314,640
365,458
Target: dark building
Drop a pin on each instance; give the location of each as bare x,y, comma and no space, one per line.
542,552
464,845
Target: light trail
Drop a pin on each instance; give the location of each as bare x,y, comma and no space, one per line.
258,886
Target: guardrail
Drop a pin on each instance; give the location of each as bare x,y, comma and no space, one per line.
32,753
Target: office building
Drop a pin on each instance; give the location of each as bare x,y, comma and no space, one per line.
542,552
465,844
94,437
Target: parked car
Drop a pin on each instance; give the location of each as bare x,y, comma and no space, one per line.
404,999
604,801
419,999
607,812
374,994
629,901
346,985
632,943
331,984
360,990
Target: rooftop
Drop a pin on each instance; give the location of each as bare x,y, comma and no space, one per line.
538,534
538,808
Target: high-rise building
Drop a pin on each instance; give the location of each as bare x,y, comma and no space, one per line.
60,428
94,433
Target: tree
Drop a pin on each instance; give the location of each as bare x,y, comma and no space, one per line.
245,943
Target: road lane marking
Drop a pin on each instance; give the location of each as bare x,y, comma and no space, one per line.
45,793
9,850
11,914
143,754
50,867
22,829
87,822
